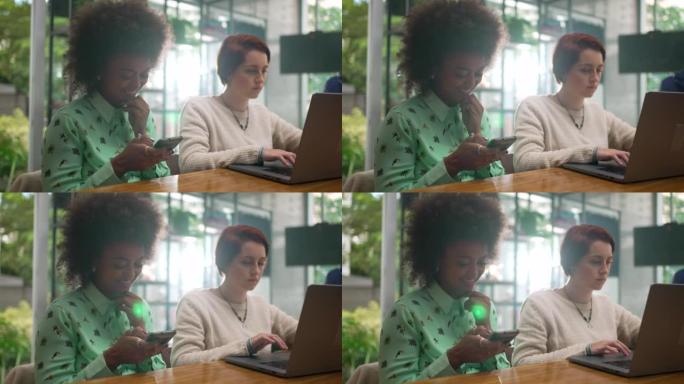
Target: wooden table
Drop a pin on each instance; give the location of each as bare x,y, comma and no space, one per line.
216,372
560,372
556,180
219,180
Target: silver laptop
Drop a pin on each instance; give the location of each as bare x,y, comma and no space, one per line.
318,343
660,346
319,156
658,148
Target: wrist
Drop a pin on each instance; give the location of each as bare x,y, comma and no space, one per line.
594,155
111,359
455,358
260,156
250,347
117,165
587,350
452,166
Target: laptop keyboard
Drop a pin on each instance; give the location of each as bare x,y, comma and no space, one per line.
620,363
612,168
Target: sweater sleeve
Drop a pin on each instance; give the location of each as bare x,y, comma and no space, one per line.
189,343
530,151
531,344
284,325
285,135
628,326
620,133
195,153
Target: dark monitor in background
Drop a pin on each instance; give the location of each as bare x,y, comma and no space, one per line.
314,52
660,245
651,52
320,244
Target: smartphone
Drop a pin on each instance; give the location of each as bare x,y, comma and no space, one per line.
504,337
168,143
501,143
160,337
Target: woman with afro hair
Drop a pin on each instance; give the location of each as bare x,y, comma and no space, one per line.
438,135
99,328
443,327
105,135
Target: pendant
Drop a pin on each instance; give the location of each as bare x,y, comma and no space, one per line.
589,325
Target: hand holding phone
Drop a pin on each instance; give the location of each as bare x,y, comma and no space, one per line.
168,143
502,143
504,337
160,338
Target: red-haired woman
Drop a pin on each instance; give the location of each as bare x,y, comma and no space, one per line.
225,321
556,129
558,323
226,129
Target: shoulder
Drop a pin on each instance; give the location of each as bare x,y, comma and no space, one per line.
412,301
542,298
198,297
536,103
201,103
66,304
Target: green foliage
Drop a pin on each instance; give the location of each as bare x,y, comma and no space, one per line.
16,235
362,223
354,43
14,131
15,30
329,18
353,142
15,336
360,337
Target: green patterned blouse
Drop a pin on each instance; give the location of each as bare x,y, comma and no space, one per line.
77,329
419,330
414,140
82,139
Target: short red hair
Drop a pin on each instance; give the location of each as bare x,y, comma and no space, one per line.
233,51
568,50
231,241
577,241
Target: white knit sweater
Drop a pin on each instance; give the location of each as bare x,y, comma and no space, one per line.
551,328
547,136
208,330
212,137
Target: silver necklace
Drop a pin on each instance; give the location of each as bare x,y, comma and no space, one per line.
591,308
574,122
243,127
241,319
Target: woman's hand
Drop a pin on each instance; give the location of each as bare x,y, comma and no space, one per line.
127,303
472,111
138,156
473,348
609,347
607,154
285,157
130,348
138,111
260,340
472,154
480,306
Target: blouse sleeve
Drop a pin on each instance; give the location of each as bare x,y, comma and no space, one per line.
399,350
62,164
56,351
